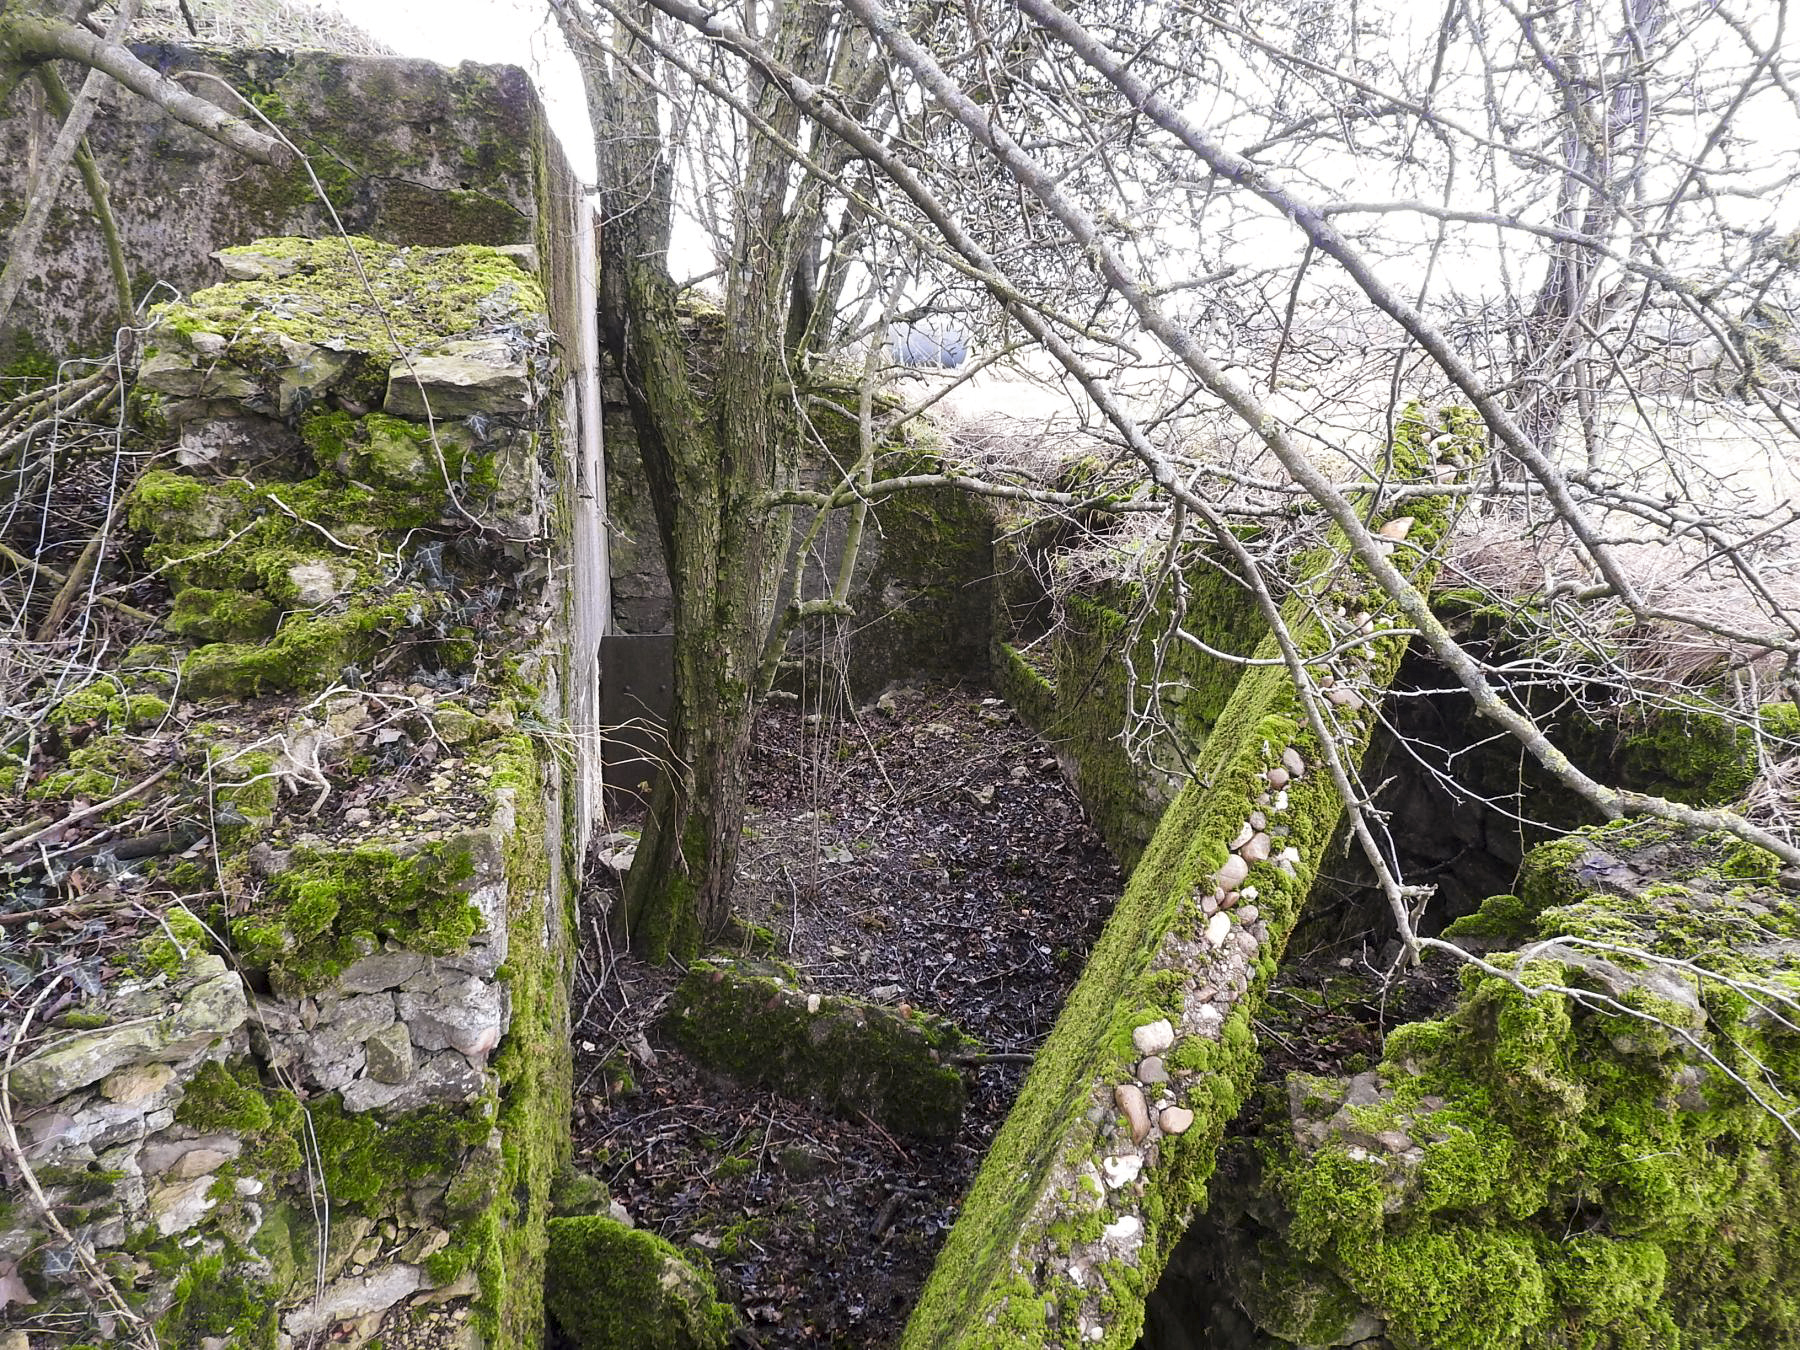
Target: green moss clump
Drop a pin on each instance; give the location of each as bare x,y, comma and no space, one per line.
222,1098
177,939
608,1287
102,768
108,706
857,1057
1700,757
307,928
214,1298
370,1162
309,652
221,616
246,783
1530,1109
420,296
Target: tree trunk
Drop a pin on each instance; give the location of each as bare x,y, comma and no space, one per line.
712,398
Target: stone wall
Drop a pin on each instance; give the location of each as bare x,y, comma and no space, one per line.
922,589
408,152
1062,666
1588,1149
329,1095
325,1090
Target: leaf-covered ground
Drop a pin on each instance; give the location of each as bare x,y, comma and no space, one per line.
924,851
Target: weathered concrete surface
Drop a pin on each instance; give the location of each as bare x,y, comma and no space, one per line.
407,151
1108,1149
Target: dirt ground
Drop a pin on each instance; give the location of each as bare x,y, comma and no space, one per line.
925,851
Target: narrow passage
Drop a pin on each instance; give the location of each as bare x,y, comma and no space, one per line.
924,851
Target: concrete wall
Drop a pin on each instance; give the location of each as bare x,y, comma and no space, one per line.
407,151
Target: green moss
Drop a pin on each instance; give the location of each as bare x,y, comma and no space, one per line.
1500,917
857,1057
221,616
177,938
533,1062
1081,702
609,1286
1586,1180
312,917
108,706
419,297
309,652
222,1098
371,1162
24,364
245,782
214,1299
1700,757
1780,721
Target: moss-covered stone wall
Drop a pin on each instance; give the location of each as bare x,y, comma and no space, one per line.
1068,679
921,592
329,1098
1109,1148
1595,1147
407,151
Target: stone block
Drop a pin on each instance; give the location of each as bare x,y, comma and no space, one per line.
388,1054
858,1057
484,375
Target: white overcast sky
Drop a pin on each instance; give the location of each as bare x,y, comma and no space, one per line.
510,32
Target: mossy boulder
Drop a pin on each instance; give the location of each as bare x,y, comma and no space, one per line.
609,1287
754,1022
221,616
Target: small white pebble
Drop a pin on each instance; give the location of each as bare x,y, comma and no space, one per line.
812,1003
1121,1170
1218,928
1154,1037
1124,1227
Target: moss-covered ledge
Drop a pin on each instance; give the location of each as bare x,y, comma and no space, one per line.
1108,1150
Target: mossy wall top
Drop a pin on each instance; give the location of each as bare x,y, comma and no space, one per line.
409,152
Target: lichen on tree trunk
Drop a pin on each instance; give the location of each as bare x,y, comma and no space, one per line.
716,436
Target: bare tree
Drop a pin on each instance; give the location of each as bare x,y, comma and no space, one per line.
1575,228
